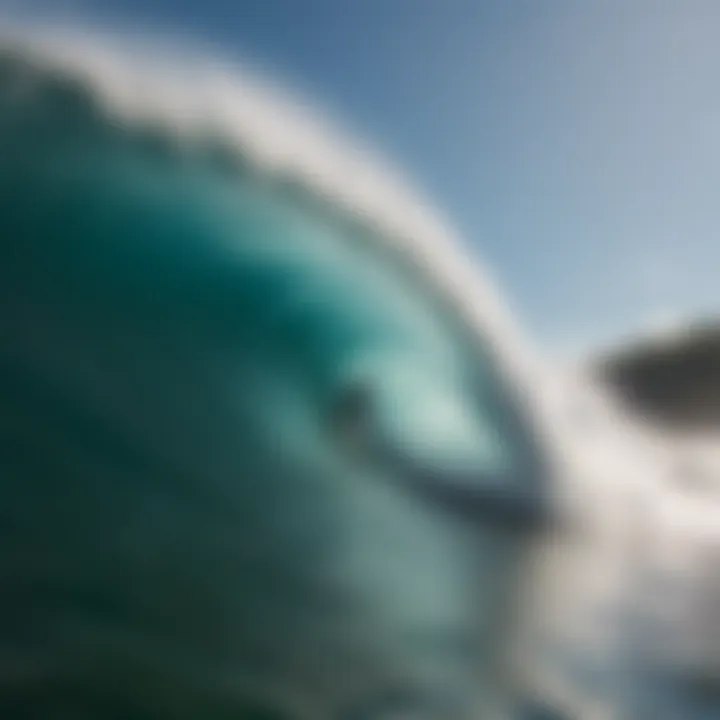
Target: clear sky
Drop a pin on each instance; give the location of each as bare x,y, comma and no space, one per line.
574,143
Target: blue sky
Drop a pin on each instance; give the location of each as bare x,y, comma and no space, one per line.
575,144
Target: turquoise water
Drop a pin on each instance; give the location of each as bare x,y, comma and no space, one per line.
249,457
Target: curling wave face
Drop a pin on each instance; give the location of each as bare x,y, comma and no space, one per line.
257,457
